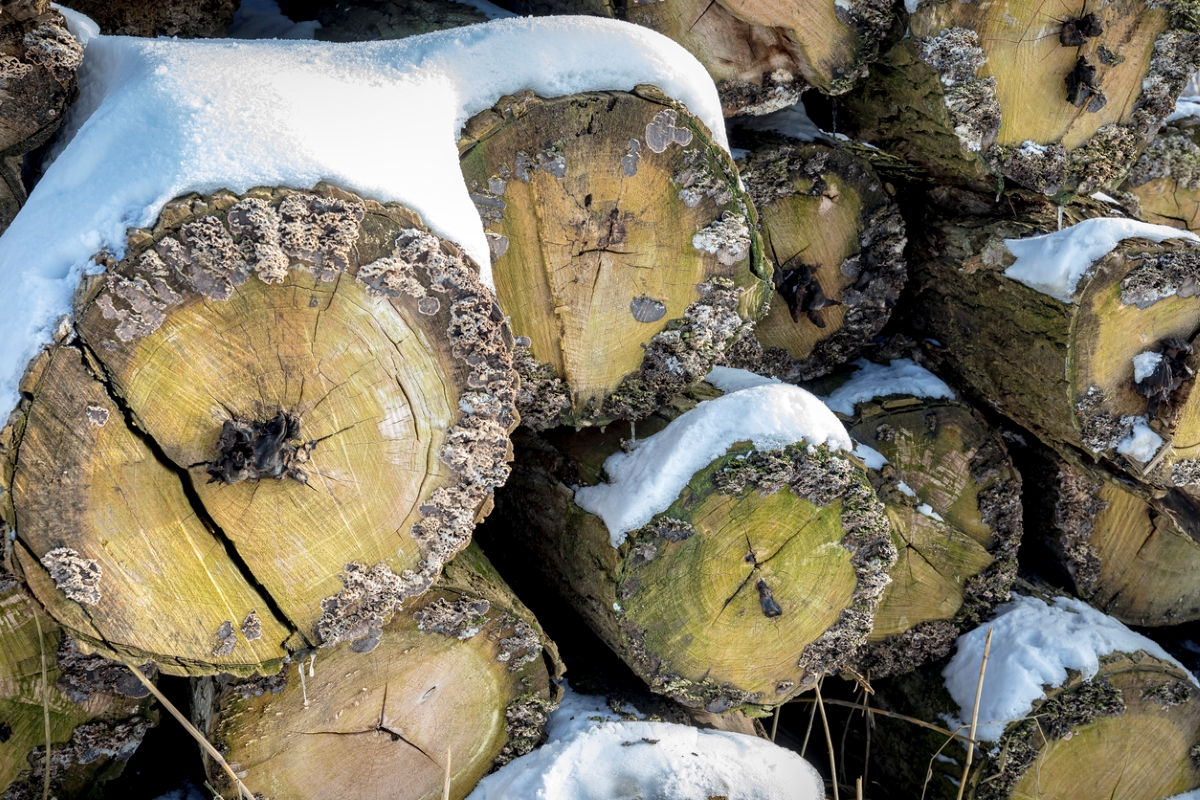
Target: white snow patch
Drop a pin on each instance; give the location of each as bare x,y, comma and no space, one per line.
928,511
1104,198
1142,443
158,118
911,6
901,376
1054,263
1033,645
262,19
792,122
1144,365
908,490
592,756
1185,108
1194,794
728,379
872,458
646,480
81,26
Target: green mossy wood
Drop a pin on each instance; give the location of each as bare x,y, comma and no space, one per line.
762,576
1064,369
836,240
625,254
270,425
1131,731
981,94
464,675
957,558
98,710
38,61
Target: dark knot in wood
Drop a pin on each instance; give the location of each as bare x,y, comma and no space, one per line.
767,600
251,451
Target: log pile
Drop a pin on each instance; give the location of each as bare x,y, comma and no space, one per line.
701,404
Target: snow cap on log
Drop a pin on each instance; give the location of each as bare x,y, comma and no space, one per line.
160,118
646,480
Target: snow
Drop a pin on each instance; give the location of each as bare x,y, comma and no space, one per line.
1104,198
928,511
872,458
157,118
1144,365
904,487
587,758
911,6
646,480
792,122
262,19
901,376
1194,794
1054,263
81,27
1033,645
1142,443
728,379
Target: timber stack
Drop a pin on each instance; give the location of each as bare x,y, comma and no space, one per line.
767,419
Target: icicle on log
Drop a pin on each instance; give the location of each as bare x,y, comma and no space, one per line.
1166,178
1049,100
762,53
1131,552
271,424
38,61
1128,727
624,251
1098,356
759,575
953,498
463,675
836,240
98,711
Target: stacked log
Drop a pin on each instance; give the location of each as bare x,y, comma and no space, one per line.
1166,178
187,19
38,61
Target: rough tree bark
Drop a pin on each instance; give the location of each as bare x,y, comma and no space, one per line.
1065,369
271,424
463,674
97,709
836,240
38,61
1051,102
624,251
763,575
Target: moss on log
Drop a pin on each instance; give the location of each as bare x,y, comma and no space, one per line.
762,576
463,675
624,251
1030,94
953,497
1065,370
1130,731
273,422
38,61
98,711
837,242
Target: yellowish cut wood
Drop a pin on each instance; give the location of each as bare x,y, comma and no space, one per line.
97,717
1055,98
837,242
1133,553
1066,369
624,251
462,671
1166,179
1129,732
953,497
281,416
763,575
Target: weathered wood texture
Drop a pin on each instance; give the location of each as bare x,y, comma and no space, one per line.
38,61
624,251
1166,178
763,575
1027,92
97,709
836,240
1065,369
462,675
953,498
1129,732
275,421
187,19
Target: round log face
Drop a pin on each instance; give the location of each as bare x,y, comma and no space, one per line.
268,391
460,676
611,216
